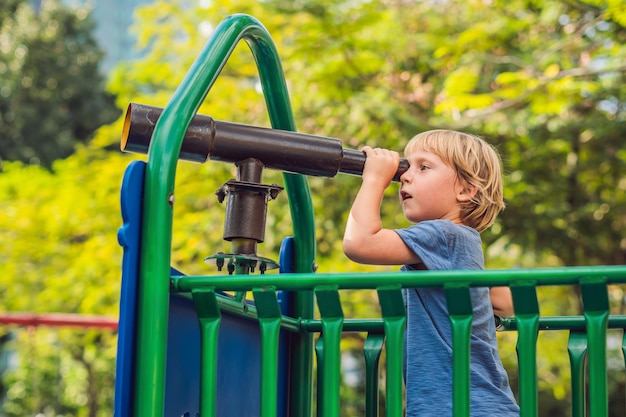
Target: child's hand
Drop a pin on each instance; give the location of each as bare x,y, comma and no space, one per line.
380,165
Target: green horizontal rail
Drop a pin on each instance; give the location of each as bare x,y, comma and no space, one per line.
421,279
577,323
376,325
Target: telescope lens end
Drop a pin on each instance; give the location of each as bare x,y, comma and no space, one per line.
126,128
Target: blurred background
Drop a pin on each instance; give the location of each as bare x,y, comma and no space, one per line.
542,80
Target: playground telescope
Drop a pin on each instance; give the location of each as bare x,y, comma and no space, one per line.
207,138
251,149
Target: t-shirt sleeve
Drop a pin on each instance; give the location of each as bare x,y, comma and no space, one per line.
443,245
428,242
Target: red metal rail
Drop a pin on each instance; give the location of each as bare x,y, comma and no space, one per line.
58,320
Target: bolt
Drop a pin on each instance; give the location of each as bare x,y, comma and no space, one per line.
274,192
221,194
219,262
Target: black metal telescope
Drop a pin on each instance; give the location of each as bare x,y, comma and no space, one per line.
207,138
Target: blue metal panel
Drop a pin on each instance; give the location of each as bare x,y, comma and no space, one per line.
239,339
128,237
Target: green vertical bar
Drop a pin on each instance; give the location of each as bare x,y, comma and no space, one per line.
372,349
596,310
624,346
241,269
209,316
527,317
301,359
577,349
461,315
269,315
394,321
321,377
332,323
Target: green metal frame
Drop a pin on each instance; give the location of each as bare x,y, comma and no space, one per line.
159,196
587,333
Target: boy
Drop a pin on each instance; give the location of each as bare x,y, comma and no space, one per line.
452,191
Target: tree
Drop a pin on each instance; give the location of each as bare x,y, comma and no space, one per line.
52,95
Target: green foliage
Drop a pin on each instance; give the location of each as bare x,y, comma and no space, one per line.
555,83
62,373
51,93
63,257
60,220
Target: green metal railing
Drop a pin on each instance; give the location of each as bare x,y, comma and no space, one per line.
587,333
587,342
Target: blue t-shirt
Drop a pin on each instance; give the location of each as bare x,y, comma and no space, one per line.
443,245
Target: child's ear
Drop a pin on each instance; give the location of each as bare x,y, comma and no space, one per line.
466,193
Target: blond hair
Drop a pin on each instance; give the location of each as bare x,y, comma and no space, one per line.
476,163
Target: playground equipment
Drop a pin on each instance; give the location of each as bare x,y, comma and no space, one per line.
187,348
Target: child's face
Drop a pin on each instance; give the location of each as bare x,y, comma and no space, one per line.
430,189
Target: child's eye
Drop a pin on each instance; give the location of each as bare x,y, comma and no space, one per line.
423,167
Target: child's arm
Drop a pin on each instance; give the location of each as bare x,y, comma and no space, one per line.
365,240
502,301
